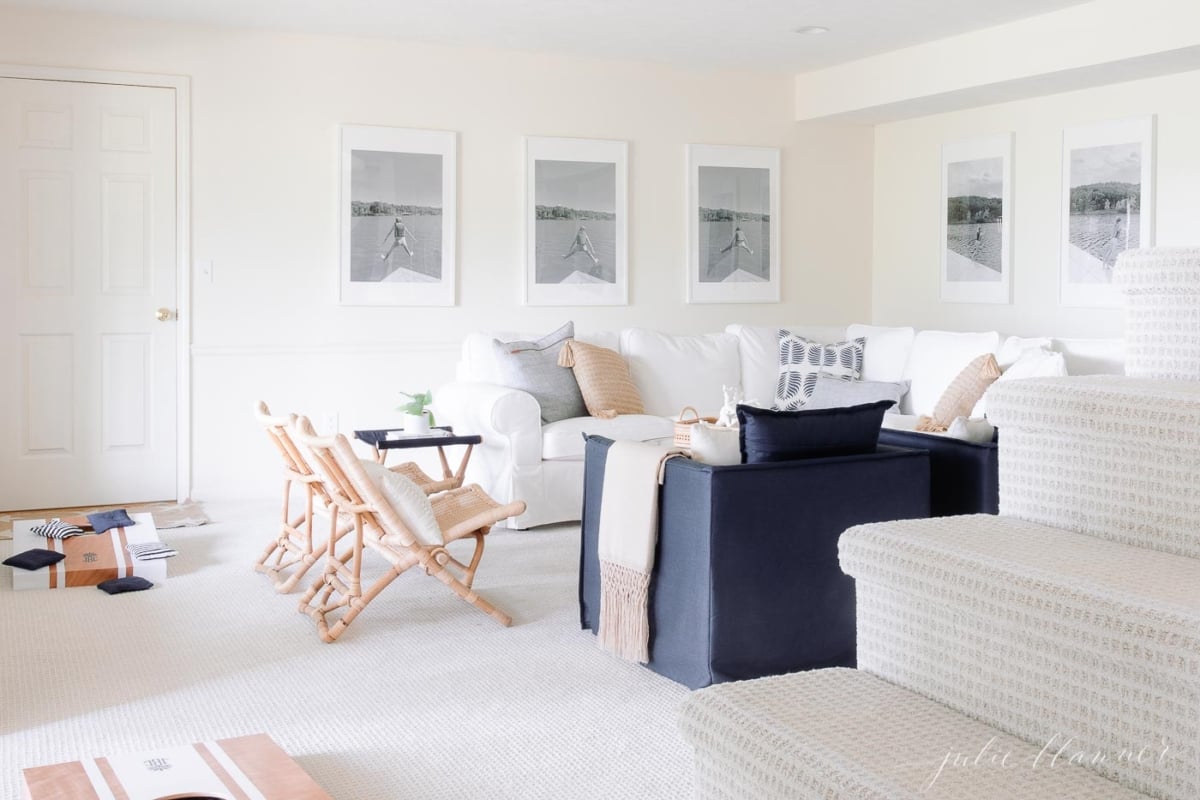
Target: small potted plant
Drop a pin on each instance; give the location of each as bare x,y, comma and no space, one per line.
417,417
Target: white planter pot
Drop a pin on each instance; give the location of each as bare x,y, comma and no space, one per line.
416,423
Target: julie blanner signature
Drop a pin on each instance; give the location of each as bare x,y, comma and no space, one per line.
1058,751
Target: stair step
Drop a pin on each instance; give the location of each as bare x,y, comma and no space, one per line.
1039,632
842,733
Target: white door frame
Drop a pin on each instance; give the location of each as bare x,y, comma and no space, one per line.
183,227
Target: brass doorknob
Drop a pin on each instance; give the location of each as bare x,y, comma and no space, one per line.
164,314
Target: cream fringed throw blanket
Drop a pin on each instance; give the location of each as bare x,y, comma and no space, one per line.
627,536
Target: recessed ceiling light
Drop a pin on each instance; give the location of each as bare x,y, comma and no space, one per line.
812,30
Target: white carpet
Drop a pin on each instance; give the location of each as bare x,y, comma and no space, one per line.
422,697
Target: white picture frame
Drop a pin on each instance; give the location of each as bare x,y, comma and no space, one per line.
1098,225
977,220
576,222
398,215
732,217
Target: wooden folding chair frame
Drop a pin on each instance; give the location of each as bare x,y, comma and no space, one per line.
461,513
295,549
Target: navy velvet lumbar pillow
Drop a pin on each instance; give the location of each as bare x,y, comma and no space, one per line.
34,559
790,435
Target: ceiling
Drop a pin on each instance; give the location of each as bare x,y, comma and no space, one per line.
752,34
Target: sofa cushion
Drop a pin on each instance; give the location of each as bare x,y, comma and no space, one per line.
936,359
532,366
672,372
758,352
831,392
1092,356
886,352
768,435
565,439
802,360
604,380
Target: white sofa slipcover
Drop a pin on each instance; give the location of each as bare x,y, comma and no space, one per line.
543,465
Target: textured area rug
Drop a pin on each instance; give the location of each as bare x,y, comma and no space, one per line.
422,697
166,515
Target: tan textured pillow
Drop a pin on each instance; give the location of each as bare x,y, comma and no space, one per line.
603,378
962,394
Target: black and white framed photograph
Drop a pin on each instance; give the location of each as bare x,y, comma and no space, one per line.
1107,205
733,224
398,211
976,217
576,222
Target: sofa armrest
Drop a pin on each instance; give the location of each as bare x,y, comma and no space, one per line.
509,420
964,476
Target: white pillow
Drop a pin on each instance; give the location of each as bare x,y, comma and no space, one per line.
886,352
1035,362
715,445
1014,346
409,500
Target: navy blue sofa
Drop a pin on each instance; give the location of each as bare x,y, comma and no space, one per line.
964,477
746,579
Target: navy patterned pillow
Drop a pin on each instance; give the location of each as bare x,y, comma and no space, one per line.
802,360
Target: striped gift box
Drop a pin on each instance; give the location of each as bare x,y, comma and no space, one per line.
245,768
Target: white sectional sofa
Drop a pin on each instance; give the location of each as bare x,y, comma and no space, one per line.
521,458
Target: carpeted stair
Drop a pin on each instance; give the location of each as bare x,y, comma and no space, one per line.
1071,621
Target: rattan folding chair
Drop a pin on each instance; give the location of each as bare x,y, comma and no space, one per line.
337,597
290,555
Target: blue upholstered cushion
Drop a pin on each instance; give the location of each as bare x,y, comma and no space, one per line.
34,559
103,520
790,435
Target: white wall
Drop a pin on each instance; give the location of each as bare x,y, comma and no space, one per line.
265,112
906,260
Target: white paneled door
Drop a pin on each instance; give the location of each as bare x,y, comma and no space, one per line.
87,260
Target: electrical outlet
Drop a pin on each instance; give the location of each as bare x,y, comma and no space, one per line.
327,423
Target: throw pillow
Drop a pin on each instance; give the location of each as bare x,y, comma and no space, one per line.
768,435
713,444
132,583
802,360
962,394
103,520
57,529
33,559
533,367
408,500
1034,362
603,376
831,392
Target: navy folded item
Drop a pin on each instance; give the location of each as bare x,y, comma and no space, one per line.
57,529
121,585
103,520
792,435
34,559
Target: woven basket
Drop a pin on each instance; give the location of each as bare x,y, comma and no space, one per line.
683,427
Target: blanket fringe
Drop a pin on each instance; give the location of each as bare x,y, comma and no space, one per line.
624,615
